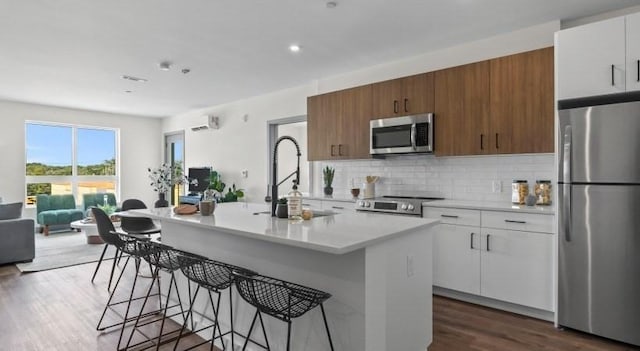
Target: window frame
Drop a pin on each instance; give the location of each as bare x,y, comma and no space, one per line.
74,179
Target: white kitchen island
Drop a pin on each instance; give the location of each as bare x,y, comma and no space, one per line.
377,268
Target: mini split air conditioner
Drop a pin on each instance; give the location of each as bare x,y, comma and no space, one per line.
213,122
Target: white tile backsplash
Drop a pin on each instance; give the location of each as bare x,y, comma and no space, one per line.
456,178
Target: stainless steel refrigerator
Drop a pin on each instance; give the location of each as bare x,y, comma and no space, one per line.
599,216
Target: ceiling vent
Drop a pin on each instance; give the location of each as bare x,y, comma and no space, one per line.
213,122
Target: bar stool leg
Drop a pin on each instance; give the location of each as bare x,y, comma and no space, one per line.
189,314
253,322
166,306
126,314
264,331
288,335
326,325
99,262
233,344
106,307
215,309
144,303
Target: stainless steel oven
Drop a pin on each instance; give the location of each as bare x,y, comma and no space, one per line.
402,135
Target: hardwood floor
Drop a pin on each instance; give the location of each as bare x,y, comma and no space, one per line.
59,309
463,326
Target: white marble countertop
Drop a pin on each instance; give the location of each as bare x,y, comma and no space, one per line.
490,206
337,234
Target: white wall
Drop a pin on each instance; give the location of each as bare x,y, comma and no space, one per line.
140,147
240,145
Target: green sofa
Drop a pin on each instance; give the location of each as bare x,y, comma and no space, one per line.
56,210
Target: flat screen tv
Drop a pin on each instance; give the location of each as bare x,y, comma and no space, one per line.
201,174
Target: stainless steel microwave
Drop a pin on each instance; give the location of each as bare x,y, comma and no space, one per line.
402,135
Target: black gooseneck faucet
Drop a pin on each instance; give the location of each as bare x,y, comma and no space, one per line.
274,177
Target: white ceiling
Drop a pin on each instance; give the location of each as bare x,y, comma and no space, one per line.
72,53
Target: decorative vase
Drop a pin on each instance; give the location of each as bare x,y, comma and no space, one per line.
328,190
162,202
207,207
282,211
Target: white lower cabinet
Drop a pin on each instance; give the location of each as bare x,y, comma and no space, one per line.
517,267
514,266
456,258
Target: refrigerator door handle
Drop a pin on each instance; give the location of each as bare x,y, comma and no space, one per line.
566,178
566,215
566,156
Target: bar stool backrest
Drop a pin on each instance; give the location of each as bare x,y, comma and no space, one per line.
133,224
105,227
278,298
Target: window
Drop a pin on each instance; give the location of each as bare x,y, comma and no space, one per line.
66,159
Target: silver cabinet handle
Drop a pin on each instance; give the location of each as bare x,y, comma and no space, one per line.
512,221
471,240
449,216
488,242
337,207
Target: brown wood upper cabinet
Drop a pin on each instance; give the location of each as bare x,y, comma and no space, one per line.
499,106
403,96
522,111
338,124
462,110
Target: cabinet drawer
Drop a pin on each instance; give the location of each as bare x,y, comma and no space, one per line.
453,215
517,221
338,206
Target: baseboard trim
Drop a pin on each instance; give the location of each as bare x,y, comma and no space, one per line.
497,304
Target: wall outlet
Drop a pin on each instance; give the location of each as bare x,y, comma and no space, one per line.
497,186
245,174
409,265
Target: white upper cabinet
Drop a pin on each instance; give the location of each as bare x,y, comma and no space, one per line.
633,52
591,59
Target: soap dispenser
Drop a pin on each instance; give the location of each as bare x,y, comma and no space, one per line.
294,202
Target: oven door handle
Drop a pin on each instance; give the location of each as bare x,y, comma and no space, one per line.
414,132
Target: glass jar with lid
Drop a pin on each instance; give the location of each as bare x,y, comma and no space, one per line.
519,191
543,192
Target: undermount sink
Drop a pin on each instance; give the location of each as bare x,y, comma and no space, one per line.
315,213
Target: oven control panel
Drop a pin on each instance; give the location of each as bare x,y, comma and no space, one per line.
390,206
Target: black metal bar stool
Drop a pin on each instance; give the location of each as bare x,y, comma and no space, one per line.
162,258
214,277
135,248
105,229
280,299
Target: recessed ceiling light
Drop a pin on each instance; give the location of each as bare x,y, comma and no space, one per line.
294,48
331,4
135,79
164,65
128,91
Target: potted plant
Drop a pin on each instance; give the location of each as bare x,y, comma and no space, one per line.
161,182
328,173
216,190
281,208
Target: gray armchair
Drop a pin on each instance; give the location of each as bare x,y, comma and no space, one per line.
17,238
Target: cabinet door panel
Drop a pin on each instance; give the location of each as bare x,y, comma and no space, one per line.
585,56
456,265
517,267
633,52
522,110
321,116
417,94
353,131
462,110
386,98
